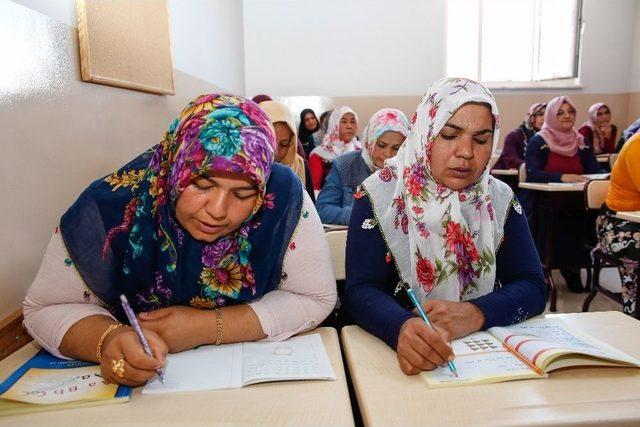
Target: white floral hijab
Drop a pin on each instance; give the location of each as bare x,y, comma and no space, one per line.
385,120
332,146
442,241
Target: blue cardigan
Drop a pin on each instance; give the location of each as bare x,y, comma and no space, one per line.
336,198
536,159
519,294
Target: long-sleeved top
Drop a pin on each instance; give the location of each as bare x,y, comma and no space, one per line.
512,155
336,198
372,277
537,155
624,191
609,144
319,170
58,297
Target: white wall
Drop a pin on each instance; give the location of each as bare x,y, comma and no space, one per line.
344,48
206,36
635,63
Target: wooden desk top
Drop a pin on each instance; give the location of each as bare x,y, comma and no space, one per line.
629,216
291,403
552,186
504,172
581,396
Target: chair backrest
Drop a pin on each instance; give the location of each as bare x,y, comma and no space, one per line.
337,245
595,192
612,160
522,172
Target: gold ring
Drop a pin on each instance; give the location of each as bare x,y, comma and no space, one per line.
117,367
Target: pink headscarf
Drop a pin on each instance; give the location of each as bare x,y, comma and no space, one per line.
560,142
600,132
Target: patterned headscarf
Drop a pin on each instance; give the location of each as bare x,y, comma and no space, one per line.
560,142
531,115
332,146
600,132
443,241
123,235
385,120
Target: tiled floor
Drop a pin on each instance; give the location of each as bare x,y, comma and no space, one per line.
568,302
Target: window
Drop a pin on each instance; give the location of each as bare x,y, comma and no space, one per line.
513,40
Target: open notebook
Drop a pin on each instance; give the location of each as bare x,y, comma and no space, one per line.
525,350
237,365
46,382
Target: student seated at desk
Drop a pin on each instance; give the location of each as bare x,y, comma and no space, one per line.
617,236
210,241
598,131
515,142
383,136
307,129
557,153
435,219
339,139
627,134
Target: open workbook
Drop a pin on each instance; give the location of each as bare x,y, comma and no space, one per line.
46,382
526,350
237,365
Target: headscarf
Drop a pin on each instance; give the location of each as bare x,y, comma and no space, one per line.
332,146
385,120
123,236
277,112
531,115
443,241
306,135
601,133
560,142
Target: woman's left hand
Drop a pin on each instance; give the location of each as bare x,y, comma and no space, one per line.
457,318
181,327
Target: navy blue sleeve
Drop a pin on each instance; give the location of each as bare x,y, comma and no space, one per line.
329,203
522,292
589,162
536,160
368,296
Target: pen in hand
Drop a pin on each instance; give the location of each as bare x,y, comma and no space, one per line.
133,320
415,302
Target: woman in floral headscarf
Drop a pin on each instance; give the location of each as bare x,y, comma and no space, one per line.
598,131
383,136
433,219
204,234
339,139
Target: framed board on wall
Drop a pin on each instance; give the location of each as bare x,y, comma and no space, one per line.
126,43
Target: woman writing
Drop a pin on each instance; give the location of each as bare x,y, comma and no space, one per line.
435,220
204,234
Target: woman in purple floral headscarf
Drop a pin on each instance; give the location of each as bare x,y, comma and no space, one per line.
197,233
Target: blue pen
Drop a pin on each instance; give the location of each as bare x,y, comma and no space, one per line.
133,320
415,302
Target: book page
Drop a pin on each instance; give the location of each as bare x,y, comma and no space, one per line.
542,340
298,358
203,368
480,358
55,386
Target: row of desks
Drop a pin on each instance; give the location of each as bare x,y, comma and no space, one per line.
385,396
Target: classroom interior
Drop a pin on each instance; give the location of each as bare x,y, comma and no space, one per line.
59,132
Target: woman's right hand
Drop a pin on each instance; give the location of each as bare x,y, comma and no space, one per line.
123,343
421,348
571,177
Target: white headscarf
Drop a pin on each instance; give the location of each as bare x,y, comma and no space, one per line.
332,146
443,241
385,120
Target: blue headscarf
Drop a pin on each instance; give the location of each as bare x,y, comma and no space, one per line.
123,236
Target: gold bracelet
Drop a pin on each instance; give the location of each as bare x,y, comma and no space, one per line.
110,329
218,326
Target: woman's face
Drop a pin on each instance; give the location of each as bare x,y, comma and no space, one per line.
347,128
538,119
310,121
283,140
386,146
216,205
603,116
566,116
462,149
